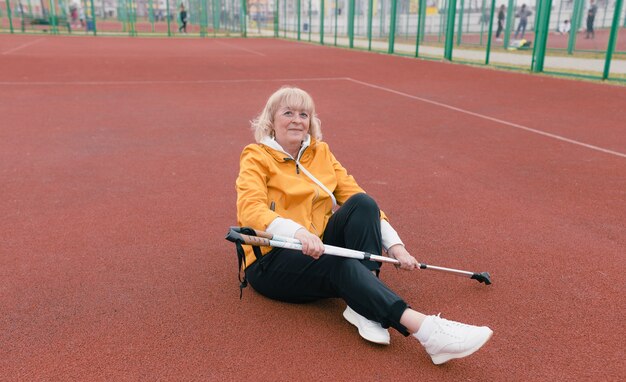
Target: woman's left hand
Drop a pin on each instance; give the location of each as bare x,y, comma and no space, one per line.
407,261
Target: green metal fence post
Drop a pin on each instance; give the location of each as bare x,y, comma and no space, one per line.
167,15
276,19
53,17
121,13
459,31
133,17
63,8
127,26
420,25
207,10
322,12
370,14
9,15
204,18
30,13
126,17
392,26
574,25
133,5
447,54
242,19
151,15
351,23
510,14
533,61
216,17
612,39
93,18
491,13
541,35
422,19
298,10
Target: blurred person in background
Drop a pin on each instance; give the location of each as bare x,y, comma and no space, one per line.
74,14
501,18
591,18
564,27
81,16
182,15
523,15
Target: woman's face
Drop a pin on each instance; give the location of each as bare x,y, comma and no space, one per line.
291,126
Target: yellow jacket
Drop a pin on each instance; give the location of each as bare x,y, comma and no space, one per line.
272,184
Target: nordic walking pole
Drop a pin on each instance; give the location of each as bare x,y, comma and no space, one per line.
267,239
282,242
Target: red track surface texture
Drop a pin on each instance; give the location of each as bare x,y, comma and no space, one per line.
117,166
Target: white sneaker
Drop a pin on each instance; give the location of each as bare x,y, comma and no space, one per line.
450,340
368,329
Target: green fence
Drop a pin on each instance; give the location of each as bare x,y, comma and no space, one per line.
126,17
556,38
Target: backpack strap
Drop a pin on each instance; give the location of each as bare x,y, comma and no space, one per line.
241,257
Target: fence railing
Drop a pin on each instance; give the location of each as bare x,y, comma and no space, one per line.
585,38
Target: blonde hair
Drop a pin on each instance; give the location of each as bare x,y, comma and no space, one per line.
287,96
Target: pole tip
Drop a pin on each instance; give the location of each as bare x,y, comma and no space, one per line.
483,277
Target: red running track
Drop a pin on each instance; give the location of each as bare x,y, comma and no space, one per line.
117,163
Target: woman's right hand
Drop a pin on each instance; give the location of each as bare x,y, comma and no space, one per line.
311,244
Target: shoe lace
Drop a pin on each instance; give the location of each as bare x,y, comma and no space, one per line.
450,328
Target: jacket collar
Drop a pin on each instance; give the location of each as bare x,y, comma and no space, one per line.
279,153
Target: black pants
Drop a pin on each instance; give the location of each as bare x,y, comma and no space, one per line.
590,31
289,275
500,28
521,27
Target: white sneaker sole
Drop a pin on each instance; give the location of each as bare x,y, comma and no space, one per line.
354,320
445,357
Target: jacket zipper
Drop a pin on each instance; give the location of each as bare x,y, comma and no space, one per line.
294,161
300,156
